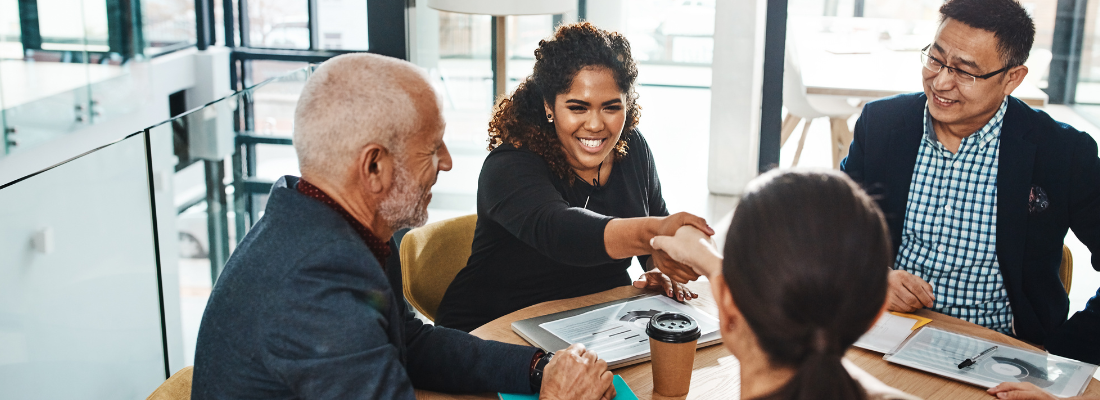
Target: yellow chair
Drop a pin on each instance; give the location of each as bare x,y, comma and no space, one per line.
431,256
1065,271
177,387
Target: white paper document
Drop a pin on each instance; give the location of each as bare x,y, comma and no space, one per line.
617,332
887,333
940,352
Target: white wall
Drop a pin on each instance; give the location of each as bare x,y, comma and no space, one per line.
735,100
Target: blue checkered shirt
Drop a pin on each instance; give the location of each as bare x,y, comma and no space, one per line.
950,233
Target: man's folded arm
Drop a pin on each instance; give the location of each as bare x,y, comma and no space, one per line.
448,360
327,337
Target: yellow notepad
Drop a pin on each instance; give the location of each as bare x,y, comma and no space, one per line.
921,321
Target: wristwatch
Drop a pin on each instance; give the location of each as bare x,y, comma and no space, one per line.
537,371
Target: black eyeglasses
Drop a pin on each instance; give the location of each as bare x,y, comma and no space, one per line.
963,78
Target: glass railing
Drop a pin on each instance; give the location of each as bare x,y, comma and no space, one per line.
106,259
80,291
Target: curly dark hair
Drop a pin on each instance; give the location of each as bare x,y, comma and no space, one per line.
519,120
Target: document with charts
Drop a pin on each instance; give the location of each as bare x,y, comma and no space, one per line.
617,331
940,352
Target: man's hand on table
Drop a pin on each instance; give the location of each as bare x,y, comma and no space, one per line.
1028,391
655,280
671,265
576,373
691,247
908,292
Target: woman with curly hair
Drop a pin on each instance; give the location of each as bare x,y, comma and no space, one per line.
569,191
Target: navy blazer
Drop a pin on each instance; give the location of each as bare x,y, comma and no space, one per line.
303,310
1035,151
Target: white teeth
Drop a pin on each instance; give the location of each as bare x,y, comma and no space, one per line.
943,100
591,142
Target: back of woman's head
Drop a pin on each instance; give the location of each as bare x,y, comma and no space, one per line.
520,119
806,260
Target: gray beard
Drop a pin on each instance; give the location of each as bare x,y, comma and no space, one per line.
403,208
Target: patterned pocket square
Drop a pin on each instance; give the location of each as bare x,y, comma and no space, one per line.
1037,200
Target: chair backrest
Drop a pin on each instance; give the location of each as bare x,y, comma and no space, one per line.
177,387
1065,271
431,256
794,90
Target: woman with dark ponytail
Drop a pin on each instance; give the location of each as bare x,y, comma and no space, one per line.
569,192
803,277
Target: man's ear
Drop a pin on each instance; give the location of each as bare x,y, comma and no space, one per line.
376,169
1015,76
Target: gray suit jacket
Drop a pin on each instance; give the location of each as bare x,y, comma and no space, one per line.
304,310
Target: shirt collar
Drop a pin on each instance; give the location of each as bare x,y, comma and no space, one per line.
992,129
378,247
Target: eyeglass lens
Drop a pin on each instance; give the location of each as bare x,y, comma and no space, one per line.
935,66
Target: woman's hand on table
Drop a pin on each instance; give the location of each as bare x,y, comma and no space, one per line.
577,373
691,247
1028,391
655,280
672,266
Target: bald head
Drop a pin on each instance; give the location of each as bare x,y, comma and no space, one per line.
355,100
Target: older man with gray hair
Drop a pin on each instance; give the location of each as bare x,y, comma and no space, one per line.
310,304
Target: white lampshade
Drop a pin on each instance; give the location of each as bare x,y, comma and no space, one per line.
505,7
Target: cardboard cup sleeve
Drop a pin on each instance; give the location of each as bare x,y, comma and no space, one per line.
672,340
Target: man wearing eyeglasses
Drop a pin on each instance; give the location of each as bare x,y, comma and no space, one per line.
979,189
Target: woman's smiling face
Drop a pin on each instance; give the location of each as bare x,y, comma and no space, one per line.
589,118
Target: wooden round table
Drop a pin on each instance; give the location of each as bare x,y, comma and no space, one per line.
716,373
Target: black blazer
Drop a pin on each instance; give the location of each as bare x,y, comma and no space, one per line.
1036,151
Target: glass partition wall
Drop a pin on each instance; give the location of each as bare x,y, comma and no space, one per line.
102,240
80,296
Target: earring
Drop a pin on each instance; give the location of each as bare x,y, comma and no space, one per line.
550,118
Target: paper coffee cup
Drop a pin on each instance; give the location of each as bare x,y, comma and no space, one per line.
672,339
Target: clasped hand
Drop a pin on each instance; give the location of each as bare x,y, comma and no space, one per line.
672,266
577,373
692,248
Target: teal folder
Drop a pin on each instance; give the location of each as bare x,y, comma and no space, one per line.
622,392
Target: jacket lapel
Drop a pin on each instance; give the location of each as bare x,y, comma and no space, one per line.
1017,157
900,157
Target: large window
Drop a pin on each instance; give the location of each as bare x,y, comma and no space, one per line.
167,24
280,24
11,46
343,24
1088,86
73,25
671,31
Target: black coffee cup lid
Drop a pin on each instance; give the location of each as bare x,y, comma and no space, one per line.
673,327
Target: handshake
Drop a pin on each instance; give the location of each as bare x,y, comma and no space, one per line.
693,251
